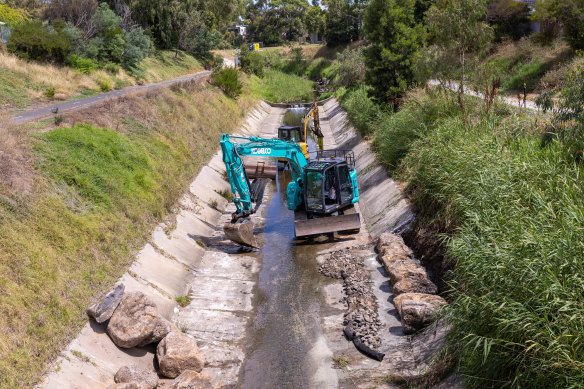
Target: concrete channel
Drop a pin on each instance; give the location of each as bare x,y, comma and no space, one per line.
267,318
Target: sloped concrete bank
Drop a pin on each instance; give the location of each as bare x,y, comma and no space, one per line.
187,257
411,359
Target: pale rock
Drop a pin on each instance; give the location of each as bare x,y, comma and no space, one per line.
414,285
390,244
106,303
136,323
178,352
148,379
404,270
190,379
417,310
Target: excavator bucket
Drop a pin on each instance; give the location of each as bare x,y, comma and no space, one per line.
261,170
241,233
304,227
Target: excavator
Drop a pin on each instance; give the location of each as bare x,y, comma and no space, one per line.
299,135
322,192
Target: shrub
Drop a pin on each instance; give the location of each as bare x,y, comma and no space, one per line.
50,93
361,109
227,79
137,48
32,40
105,85
119,84
216,62
351,69
83,65
111,68
251,62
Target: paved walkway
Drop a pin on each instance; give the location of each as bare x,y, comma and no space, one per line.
70,106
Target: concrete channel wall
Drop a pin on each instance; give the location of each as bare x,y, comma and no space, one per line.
383,206
184,258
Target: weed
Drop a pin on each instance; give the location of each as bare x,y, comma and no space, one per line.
50,93
82,357
58,119
226,193
119,84
214,204
342,361
201,243
183,301
105,85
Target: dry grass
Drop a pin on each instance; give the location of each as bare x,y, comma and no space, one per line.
23,83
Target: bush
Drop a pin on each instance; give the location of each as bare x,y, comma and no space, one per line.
105,85
351,69
137,48
50,93
32,40
119,84
529,73
216,62
111,68
83,65
227,79
251,62
360,108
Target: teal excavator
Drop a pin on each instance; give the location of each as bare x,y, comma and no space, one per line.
322,192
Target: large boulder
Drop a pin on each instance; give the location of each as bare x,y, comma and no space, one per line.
190,379
417,310
414,285
136,323
106,303
178,352
392,245
401,270
146,379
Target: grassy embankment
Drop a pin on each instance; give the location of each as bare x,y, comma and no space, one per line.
76,202
23,83
280,87
540,67
513,210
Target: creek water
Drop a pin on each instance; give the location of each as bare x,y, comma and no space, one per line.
288,324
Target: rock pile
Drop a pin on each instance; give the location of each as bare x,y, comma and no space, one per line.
414,294
362,305
134,321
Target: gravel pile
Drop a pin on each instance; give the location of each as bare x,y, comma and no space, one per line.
361,302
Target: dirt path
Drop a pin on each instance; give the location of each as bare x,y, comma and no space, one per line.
76,105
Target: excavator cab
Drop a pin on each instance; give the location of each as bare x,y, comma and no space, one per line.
329,188
293,134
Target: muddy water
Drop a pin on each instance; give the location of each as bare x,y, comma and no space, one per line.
286,349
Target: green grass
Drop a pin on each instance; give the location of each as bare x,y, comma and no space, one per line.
282,88
515,211
362,111
165,64
97,195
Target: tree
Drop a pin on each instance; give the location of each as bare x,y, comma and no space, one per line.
314,20
77,12
567,13
32,40
12,16
508,18
459,26
395,39
343,21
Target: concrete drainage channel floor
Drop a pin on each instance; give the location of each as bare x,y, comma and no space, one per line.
262,319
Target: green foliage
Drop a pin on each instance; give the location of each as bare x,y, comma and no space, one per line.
227,79
105,85
110,40
314,20
395,39
32,40
183,301
351,70
251,61
83,65
516,211
277,86
530,73
508,18
13,16
363,111
137,48
277,21
50,92
567,15
343,21
102,165
459,27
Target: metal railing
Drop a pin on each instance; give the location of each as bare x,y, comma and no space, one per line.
347,155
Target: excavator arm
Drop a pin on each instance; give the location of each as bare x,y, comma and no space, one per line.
258,147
